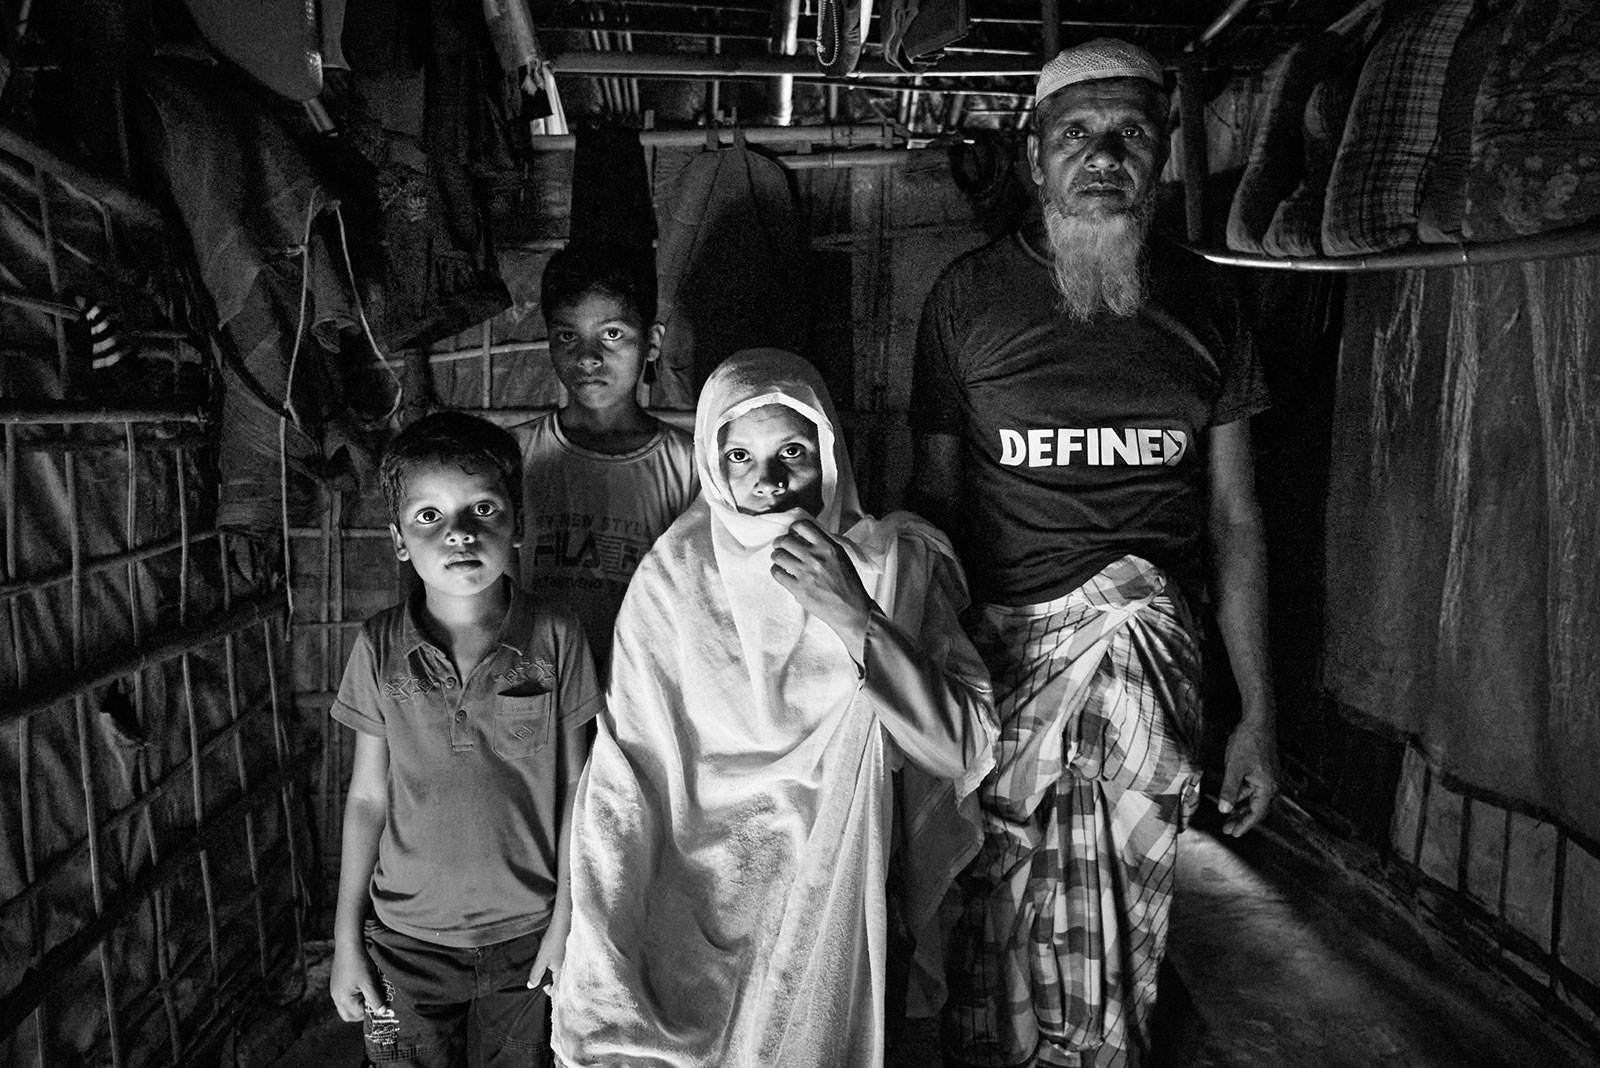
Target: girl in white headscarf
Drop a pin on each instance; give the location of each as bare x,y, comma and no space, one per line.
777,657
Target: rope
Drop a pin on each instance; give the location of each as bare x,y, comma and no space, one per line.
361,314
288,411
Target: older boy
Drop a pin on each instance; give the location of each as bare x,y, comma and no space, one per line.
602,476
471,704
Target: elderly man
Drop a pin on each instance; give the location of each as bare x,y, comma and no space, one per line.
1081,401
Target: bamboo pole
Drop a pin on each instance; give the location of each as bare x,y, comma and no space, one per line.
113,195
53,268
885,157
801,68
130,532
504,348
683,419
656,31
40,980
330,676
141,760
1215,27
1581,240
129,557
231,681
61,446
286,778
238,981
21,704
40,412
25,813
336,615
39,304
785,42
211,1032
86,749
197,796
713,88
176,778
842,136
486,350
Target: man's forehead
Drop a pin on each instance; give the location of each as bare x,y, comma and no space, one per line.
1116,99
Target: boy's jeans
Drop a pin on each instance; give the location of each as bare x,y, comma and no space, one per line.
431,989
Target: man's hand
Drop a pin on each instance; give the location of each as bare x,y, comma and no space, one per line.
817,572
353,983
1250,778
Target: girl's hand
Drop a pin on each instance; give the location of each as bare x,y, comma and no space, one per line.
816,571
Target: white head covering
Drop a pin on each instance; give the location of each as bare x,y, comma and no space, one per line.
1103,57
770,622
755,378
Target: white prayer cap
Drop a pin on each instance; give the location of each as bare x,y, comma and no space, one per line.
1103,57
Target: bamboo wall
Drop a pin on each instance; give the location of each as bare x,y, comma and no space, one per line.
150,876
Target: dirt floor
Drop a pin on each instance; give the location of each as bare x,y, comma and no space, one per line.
1287,963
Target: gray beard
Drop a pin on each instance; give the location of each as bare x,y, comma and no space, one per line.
1097,261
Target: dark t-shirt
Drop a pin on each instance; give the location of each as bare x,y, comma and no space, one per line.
1083,442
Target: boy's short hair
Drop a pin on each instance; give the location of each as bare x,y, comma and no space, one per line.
455,438
625,272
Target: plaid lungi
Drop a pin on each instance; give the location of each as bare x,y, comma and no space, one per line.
1064,919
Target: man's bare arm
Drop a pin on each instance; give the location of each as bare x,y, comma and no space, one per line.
1240,583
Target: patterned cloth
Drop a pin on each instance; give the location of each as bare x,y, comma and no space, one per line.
1065,915
1392,135
1535,165
1340,51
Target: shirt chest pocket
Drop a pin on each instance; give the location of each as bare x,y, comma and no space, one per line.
522,725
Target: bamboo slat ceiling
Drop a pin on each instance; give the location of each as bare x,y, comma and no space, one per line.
673,58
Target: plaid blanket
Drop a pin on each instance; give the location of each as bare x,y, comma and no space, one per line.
1392,134
1064,919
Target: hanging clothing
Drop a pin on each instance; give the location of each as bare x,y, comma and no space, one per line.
427,113
731,836
610,190
730,263
257,199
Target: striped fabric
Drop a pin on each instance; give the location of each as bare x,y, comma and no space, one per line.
1392,135
1064,919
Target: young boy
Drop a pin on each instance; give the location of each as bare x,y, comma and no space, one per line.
471,704
603,477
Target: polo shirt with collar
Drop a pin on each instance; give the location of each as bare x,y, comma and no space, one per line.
479,768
